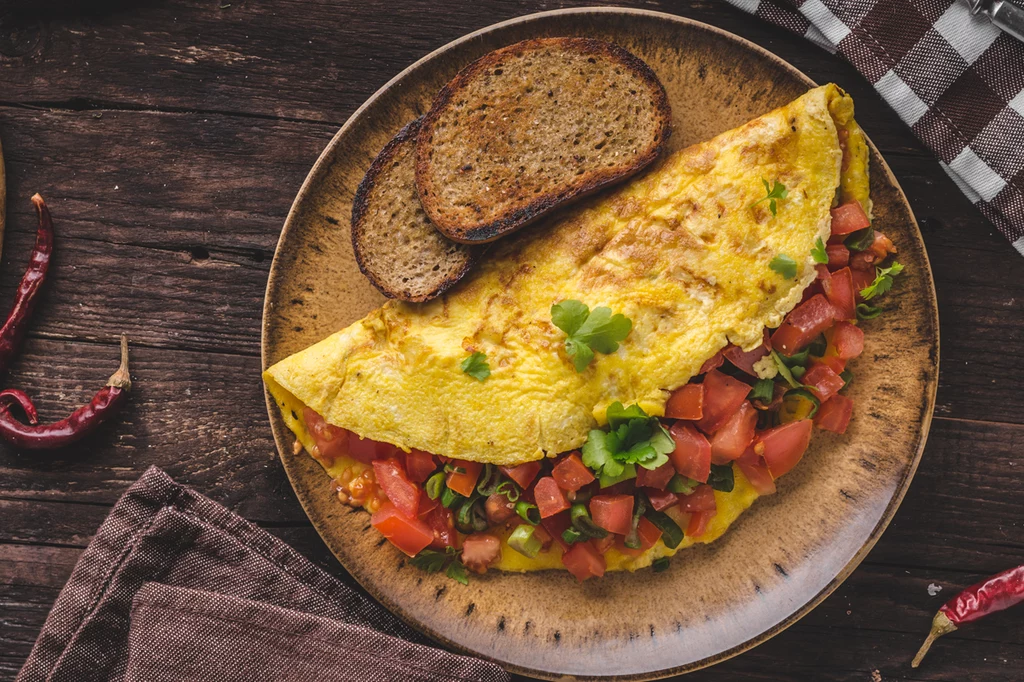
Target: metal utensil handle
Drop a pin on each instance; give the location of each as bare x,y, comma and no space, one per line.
1008,17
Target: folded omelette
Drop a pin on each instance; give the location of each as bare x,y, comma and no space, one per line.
683,251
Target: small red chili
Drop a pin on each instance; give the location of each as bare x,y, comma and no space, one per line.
999,592
35,436
14,328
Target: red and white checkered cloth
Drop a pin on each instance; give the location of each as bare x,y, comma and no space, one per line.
956,79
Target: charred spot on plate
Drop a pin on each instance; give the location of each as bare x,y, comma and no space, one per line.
501,624
380,543
845,494
332,220
781,571
527,626
558,637
470,609
440,593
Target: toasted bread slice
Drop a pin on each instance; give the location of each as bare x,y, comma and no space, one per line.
396,246
533,126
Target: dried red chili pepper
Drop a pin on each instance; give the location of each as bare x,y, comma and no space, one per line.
14,328
35,436
999,592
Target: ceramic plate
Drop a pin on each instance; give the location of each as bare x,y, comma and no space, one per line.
782,557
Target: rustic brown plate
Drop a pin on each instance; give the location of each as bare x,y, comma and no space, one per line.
782,557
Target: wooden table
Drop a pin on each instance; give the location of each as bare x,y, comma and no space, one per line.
170,138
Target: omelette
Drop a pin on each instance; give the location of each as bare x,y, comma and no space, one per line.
704,253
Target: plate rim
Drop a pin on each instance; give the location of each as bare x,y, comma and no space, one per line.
279,430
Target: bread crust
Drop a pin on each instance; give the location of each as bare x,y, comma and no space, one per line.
558,197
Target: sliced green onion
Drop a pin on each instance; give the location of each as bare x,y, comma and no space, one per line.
435,485
784,370
524,541
571,535
681,484
583,495
509,489
633,536
797,372
581,521
722,478
847,376
861,240
628,472
799,403
528,512
796,359
490,477
471,516
818,346
764,390
449,497
671,533
661,563
868,312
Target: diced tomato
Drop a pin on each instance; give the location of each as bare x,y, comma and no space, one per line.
499,509
838,256
840,293
714,362
699,523
419,465
822,272
723,395
462,479
849,218
479,551
881,247
442,524
732,439
745,360
783,446
427,505
331,441
407,534
614,513
522,474
834,414
584,561
602,545
701,499
756,471
366,450
402,492
661,499
571,474
845,341
550,498
812,290
862,279
627,487
648,534
556,525
542,534
692,456
656,478
865,261
803,325
686,402
822,381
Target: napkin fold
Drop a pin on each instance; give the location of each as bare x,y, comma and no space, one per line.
957,80
176,587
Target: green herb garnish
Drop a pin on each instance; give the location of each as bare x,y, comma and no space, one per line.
632,438
476,366
785,371
682,485
784,265
883,281
433,561
589,330
671,533
660,564
868,312
457,572
764,390
861,240
819,253
721,477
775,192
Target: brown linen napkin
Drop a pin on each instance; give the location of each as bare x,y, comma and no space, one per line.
176,587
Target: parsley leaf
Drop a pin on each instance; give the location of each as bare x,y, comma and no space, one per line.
819,253
432,561
617,415
775,191
589,330
784,265
457,572
476,366
632,438
883,281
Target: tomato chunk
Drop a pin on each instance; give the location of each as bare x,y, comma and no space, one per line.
834,414
881,247
656,478
756,471
699,523
522,474
692,456
571,474
732,439
701,499
479,551
686,402
614,513
366,450
556,525
499,509
648,534
822,381
661,499
838,256
714,362
849,218
803,325
745,360
464,476
584,561
441,522
402,492
723,395
549,497
783,446
331,441
410,535
419,465
840,293
845,340
862,279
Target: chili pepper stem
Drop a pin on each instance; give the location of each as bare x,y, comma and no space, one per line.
121,378
941,625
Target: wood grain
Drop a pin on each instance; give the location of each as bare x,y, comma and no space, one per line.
207,119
